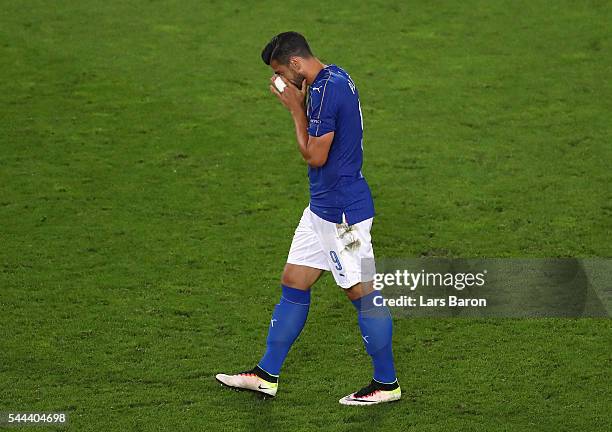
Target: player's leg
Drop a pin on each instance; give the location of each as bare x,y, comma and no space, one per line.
305,264
351,259
289,315
286,324
376,331
299,276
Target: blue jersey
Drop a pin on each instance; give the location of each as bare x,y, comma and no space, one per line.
338,188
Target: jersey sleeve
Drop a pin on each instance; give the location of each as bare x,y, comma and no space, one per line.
323,109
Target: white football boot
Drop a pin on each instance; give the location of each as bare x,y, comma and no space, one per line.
373,394
250,380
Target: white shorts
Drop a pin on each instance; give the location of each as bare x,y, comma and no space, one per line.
345,250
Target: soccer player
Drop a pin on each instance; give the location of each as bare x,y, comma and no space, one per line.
334,231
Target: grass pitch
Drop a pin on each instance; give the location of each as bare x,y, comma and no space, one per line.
150,186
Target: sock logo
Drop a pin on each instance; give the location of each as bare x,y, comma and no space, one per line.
272,322
365,338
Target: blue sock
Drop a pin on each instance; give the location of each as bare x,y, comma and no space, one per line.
287,321
377,330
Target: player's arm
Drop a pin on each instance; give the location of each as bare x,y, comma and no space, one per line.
314,149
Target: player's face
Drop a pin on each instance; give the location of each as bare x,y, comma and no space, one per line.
291,71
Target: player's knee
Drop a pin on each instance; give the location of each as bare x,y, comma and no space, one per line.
292,280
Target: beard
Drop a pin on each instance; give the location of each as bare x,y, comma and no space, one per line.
297,80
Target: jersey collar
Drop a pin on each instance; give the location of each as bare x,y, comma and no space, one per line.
322,73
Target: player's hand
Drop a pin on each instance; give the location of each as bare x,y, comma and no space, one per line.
292,97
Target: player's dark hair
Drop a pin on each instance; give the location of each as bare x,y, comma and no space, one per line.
283,46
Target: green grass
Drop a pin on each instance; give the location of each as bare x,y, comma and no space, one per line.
150,186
